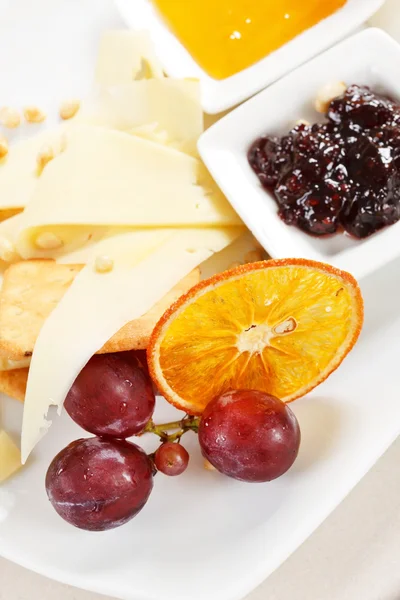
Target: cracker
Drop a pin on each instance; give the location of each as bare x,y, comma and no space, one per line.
13,383
31,290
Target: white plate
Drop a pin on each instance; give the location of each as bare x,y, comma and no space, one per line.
371,58
219,95
202,536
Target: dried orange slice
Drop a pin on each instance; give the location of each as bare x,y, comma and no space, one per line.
280,326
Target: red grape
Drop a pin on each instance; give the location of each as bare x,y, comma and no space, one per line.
171,459
99,484
112,395
249,435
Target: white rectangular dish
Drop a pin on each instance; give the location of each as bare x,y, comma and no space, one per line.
218,95
371,58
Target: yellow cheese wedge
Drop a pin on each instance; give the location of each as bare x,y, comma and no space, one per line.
107,178
106,302
173,105
125,56
10,457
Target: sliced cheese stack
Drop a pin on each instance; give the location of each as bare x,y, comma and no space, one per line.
124,188
110,178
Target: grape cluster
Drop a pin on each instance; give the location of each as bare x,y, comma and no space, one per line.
102,482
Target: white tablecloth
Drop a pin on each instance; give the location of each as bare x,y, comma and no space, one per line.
354,555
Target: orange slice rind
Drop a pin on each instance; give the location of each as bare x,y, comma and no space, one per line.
280,326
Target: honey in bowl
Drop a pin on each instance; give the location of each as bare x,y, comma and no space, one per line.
227,36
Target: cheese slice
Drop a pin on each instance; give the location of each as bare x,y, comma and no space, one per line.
9,230
125,56
172,104
105,303
123,245
10,457
18,171
108,178
154,133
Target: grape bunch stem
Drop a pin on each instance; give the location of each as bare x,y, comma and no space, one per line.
188,423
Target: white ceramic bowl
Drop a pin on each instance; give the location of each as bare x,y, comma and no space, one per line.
223,94
370,57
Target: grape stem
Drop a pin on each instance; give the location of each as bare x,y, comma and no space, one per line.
178,428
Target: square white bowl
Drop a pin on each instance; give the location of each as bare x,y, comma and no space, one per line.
218,95
371,58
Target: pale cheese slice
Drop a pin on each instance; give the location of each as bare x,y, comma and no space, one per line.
154,133
108,178
18,171
10,457
172,104
125,56
122,245
105,303
10,227
9,230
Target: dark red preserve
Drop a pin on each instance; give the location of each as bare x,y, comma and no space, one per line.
342,174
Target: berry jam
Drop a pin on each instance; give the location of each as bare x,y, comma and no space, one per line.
340,175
